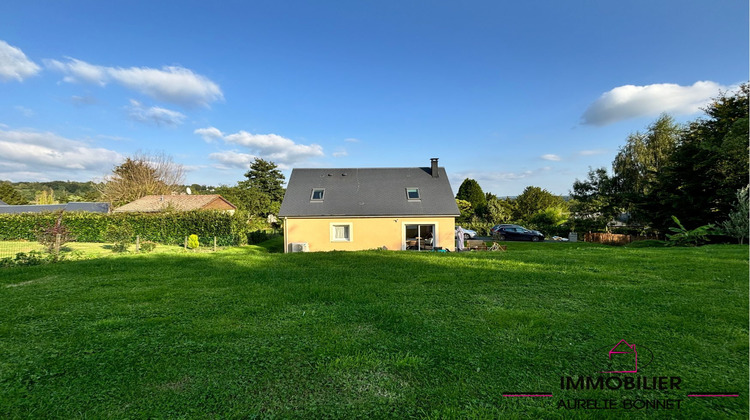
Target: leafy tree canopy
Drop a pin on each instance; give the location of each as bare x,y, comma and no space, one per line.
9,195
699,182
265,177
535,199
471,191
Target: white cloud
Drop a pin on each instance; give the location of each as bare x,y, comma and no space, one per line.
340,153
14,65
210,134
154,115
549,156
232,159
282,151
77,71
173,84
351,140
26,152
631,101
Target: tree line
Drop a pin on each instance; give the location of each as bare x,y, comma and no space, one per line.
695,174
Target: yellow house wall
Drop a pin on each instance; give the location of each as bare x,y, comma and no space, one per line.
366,232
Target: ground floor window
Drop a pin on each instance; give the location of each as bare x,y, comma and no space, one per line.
341,232
420,237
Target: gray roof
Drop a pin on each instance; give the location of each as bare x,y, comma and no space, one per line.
42,208
368,192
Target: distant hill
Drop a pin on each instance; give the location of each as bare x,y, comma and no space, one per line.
65,191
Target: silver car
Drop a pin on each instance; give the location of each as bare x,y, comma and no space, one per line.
468,233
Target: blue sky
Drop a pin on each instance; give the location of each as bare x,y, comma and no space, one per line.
511,94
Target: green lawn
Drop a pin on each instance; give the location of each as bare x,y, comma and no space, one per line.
84,250
247,333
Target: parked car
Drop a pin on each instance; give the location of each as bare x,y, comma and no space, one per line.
468,233
515,233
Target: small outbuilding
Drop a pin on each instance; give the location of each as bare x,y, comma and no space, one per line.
158,203
367,208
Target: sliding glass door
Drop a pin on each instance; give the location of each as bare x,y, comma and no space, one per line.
419,237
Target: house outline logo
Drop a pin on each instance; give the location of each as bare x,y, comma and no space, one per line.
626,349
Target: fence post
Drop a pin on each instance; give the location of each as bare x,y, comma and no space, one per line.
186,244
57,245
214,243
137,243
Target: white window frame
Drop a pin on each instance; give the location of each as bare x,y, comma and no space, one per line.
435,232
316,200
419,195
332,231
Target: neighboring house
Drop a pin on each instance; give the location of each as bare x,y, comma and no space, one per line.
367,208
42,208
157,203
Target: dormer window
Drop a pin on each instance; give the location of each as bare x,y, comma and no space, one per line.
412,194
317,194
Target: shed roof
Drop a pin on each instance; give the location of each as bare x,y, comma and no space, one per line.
368,192
154,203
42,208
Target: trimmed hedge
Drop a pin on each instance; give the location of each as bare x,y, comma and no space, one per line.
164,228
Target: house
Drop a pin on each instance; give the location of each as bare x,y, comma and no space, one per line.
366,208
157,203
89,207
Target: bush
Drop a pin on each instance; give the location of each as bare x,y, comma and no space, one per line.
148,246
24,258
54,234
685,237
120,235
163,228
259,236
193,242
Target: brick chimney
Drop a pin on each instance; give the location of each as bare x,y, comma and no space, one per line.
434,167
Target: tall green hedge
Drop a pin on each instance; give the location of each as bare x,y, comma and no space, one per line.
164,228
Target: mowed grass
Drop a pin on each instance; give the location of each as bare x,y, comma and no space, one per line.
377,334
83,250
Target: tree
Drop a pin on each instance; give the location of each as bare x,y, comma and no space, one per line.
699,182
471,191
248,199
142,175
264,177
497,210
9,195
638,162
593,201
464,207
534,199
738,223
45,197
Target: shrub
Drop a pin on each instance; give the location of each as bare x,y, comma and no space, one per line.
737,225
193,242
148,246
163,228
54,234
120,235
24,258
685,237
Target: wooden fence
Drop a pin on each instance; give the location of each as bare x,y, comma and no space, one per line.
613,238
